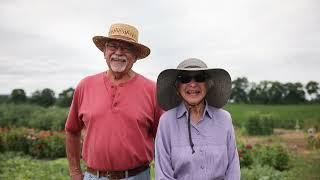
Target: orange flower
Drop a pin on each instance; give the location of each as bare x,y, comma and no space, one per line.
44,134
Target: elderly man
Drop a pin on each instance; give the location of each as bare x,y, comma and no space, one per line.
116,111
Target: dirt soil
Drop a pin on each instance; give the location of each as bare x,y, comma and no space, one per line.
296,141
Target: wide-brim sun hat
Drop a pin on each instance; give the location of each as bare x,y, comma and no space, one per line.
123,32
219,83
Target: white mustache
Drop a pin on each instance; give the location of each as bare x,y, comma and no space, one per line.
115,57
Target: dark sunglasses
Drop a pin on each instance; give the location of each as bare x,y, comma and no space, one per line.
187,78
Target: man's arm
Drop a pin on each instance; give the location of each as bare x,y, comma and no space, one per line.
73,149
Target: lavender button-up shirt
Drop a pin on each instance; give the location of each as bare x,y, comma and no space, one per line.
215,156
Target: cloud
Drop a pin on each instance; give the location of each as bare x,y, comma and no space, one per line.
49,43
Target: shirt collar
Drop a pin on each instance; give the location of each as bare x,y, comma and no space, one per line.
182,110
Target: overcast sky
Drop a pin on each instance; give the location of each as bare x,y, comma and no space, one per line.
48,43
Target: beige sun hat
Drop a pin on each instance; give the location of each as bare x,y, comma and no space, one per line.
219,83
123,32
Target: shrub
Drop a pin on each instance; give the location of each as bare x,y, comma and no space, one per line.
314,142
259,172
40,144
15,115
245,155
52,118
48,145
15,165
259,124
274,156
33,116
15,140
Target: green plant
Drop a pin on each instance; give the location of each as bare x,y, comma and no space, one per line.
48,144
245,155
52,118
39,144
259,172
314,142
274,156
15,165
260,124
15,140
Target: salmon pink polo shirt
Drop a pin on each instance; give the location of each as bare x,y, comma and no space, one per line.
119,122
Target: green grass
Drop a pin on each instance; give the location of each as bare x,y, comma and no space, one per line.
22,167
306,167
15,165
285,115
18,166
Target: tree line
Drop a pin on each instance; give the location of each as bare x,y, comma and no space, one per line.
274,92
243,91
45,97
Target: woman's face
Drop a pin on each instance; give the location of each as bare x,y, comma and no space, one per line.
192,87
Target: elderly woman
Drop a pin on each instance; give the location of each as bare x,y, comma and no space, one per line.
195,137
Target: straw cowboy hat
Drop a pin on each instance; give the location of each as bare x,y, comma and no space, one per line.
123,32
219,84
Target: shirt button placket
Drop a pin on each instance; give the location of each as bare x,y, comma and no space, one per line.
114,101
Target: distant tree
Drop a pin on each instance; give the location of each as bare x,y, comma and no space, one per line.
4,98
18,96
258,94
276,93
294,93
45,98
239,90
65,98
312,88
253,93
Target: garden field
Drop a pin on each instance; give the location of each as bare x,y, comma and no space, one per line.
32,142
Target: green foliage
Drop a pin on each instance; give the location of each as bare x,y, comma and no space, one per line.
15,115
314,142
47,145
259,172
65,98
245,155
272,92
4,99
44,98
24,115
18,96
52,118
19,166
2,143
260,124
274,156
39,144
239,88
15,140
285,116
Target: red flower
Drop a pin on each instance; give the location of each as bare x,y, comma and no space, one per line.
248,146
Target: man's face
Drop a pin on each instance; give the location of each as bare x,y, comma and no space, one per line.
192,87
120,56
